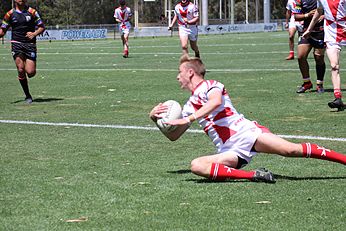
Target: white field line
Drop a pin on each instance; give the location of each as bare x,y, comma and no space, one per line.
115,126
156,53
151,70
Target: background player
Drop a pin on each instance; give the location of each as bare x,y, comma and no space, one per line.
292,25
122,15
236,138
26,24
304,11
187,15
334,37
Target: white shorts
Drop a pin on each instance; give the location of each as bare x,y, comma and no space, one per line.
124,28
334,45
190,31
297,25
241,144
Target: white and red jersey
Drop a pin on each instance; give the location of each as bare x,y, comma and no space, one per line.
124,15
189,11
219,123
229,130
335,20
291,4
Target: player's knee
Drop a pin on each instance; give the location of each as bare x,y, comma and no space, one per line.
184,47
334,67
196,167
31,73
319,59
301,58
21,70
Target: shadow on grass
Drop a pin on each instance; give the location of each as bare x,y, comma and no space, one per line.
40,100
276,176
208,181
293,178
181,171
328,90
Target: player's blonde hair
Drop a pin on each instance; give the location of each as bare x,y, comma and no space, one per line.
194,63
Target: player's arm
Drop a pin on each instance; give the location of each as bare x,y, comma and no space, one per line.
118,20
156,114
302,17
173,21
129,15
2,32
192,21
214,101
37,32
288,15
315,19
5,24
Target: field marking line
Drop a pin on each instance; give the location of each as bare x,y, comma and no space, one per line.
148,69
156,53
115,126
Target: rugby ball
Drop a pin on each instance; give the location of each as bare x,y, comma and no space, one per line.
173,112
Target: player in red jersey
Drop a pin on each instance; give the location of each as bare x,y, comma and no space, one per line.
292,25
236,138
187,15
335,38
26,24
123,15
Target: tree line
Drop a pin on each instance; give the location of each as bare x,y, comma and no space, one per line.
81,12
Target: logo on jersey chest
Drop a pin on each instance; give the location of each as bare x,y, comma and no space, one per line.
28,18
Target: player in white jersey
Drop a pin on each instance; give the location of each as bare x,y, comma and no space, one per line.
187,15
122,15
292,25
335,38
236,138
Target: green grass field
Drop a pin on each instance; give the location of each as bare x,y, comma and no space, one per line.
97,165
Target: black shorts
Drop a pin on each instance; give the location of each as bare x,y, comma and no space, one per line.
316,40
28,50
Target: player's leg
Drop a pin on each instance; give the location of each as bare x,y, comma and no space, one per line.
20,61
30,68
303,51
223,166
320,69
184,39
333,53
291,33
271,143
126,44
194,47
193,41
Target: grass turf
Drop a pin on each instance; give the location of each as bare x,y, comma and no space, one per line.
77,178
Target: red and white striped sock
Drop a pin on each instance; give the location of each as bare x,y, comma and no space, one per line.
319,152
220,172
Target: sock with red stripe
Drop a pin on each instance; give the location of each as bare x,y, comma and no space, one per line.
319,152
337,93
220,172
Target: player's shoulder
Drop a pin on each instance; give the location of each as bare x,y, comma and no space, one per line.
32,11
207,85
9,14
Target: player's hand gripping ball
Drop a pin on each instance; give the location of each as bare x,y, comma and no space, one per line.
173,112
